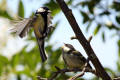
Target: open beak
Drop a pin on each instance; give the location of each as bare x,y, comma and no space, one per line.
62,47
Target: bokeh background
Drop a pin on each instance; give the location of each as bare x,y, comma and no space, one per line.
20,58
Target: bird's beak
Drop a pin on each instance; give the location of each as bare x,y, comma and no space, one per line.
64,44
62,47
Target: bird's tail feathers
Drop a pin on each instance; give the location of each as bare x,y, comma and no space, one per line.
42,51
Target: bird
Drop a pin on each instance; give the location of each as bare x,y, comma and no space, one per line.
40,23
73,58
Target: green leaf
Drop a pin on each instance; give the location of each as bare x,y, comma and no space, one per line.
103,36
42,71
97,29
49,49
118,65
1,68
116,6
21,9
118,43
113,26
104,13
69,2
118,19
85,3
4,9
53,6
3,63
29,61
85,16
88,26
92,4
5,14
26,71
18,77
15,60
3,60
55,57
110,71
91,8
31,58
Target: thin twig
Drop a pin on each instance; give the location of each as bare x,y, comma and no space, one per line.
116,78
61,71
90,38
73,37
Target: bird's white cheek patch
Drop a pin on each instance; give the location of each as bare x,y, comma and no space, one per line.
66,49
40,10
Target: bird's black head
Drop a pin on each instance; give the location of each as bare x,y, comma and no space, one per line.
69,46
43,10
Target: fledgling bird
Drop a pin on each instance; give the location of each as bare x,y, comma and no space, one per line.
73,58
40,23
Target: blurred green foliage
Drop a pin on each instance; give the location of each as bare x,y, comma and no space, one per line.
30,61
21,9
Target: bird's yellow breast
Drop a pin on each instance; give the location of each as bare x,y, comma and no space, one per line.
38,24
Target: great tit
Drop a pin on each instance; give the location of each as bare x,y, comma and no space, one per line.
73,58
40,22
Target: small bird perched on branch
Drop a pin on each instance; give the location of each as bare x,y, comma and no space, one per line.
73,58
40,23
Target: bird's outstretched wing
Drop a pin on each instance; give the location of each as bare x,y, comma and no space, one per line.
81,57
21,27
49,17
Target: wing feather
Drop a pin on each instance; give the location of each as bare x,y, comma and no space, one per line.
49,21
21,27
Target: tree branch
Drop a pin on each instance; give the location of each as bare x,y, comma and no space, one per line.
61,71
86,45
116,78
